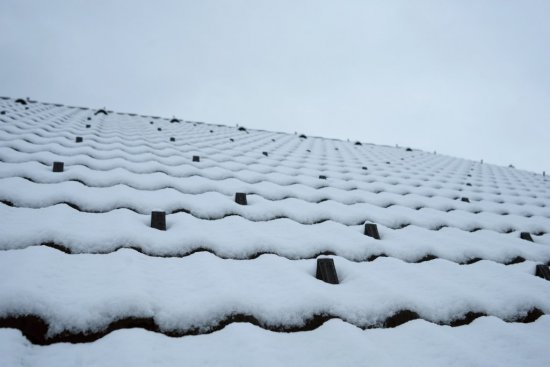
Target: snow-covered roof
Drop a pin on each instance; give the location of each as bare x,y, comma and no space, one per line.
435,260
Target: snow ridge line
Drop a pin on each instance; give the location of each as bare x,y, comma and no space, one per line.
97,143
130,156
322,200
279,164
135,138
71,119
390,203
289,179
35,329
274,218
252,256
137,129
230,173
161,150
69,111
251,182
286,141
248,138
167,186
411,189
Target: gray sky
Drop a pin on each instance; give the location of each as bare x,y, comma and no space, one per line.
465,78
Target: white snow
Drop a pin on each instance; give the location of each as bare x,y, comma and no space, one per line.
212,204
87,292
236,237
486,342
125,168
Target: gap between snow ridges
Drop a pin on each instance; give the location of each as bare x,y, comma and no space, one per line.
252,256
35,329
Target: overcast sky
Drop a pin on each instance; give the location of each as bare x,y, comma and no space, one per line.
465,78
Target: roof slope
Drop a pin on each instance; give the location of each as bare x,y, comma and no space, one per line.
451,277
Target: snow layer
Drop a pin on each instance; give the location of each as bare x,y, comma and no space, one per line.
87,292
486,342
236,237
127,166
214,205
